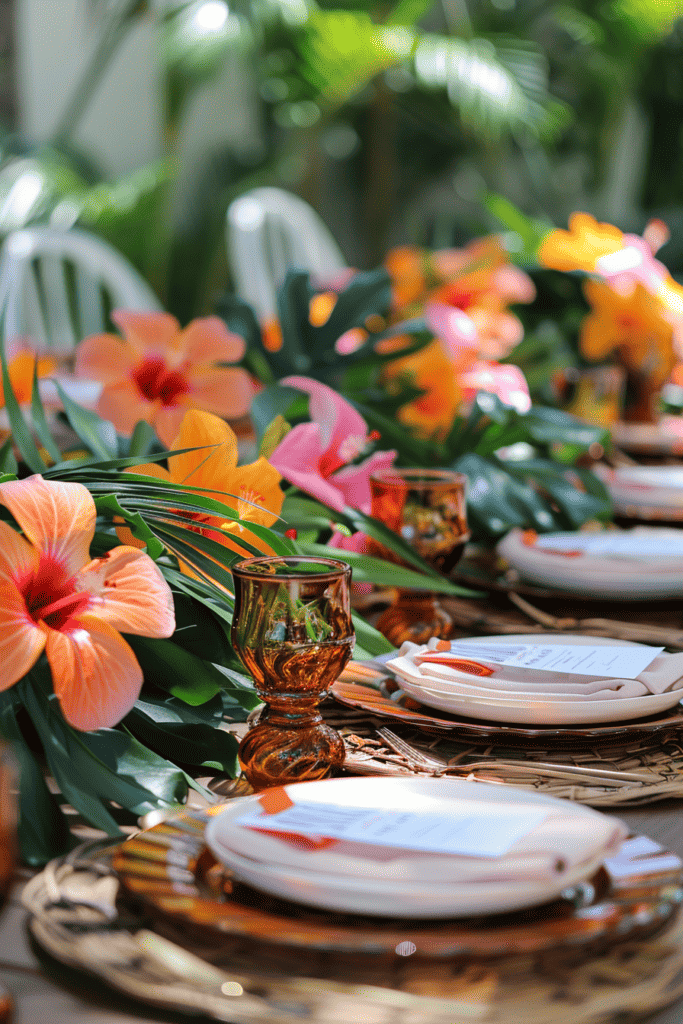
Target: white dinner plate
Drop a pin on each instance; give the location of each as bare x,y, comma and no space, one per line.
646,488
599,575
257,858
532,710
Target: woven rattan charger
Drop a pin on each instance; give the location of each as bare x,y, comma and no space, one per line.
624,764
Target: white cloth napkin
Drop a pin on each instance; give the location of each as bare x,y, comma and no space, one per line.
663,674
560,843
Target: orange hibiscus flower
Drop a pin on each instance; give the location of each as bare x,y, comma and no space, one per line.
158,371
20,367
253,490
635,326
431,369
581,246
53,598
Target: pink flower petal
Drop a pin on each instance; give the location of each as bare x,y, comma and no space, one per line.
208,340
354,481
337,419
506,381
297,458
224,391
150,333
123,404
58,519
105,358
21,640
130,593
455,329
95,674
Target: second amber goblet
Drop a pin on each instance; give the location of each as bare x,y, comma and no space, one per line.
293,631
427,508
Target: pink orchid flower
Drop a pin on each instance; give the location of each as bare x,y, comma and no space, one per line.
157,371
315,456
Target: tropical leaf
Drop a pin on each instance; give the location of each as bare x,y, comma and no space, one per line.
387,574
97,434
43,830
498,84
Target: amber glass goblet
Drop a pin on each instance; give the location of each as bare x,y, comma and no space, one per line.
292,630
8,833
427,508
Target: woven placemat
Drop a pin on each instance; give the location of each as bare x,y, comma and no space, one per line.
77,915
623,770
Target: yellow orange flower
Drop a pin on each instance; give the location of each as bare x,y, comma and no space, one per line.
253,490
581,246
21,367
432,370
635,326
53,598
158,371
407,268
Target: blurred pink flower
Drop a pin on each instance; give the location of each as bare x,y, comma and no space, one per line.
316,456
157,371
505,380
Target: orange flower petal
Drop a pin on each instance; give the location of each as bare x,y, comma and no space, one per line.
105,358
148,332
95,674
208,340
167,420
257,484
58,518
131,594
123,404
216,458
224,391
21,640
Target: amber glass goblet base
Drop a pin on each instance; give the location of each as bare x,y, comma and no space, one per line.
293,631
414,616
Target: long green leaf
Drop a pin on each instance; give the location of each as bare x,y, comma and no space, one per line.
20,432
97,434
386,574
43,829
40,422
172,668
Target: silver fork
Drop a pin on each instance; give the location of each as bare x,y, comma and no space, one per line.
439,764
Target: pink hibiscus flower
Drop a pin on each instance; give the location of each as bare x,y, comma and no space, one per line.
317,456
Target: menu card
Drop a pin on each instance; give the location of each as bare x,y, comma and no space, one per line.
477,833
604,661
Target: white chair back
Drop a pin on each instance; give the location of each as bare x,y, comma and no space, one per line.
57,287
270,231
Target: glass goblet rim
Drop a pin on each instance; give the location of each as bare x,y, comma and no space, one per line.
400,477
253,568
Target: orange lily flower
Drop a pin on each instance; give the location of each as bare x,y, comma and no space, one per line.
252,490
581,246
430,368
634,325
158,371
20,368
53,598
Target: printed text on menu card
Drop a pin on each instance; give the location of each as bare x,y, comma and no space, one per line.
604,661
477,833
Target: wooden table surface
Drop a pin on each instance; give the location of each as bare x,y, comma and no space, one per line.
46,993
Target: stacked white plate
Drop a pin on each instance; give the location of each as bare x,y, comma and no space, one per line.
645,492
528,697
555,845
645,562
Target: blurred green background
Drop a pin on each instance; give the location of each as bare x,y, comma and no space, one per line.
396,120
